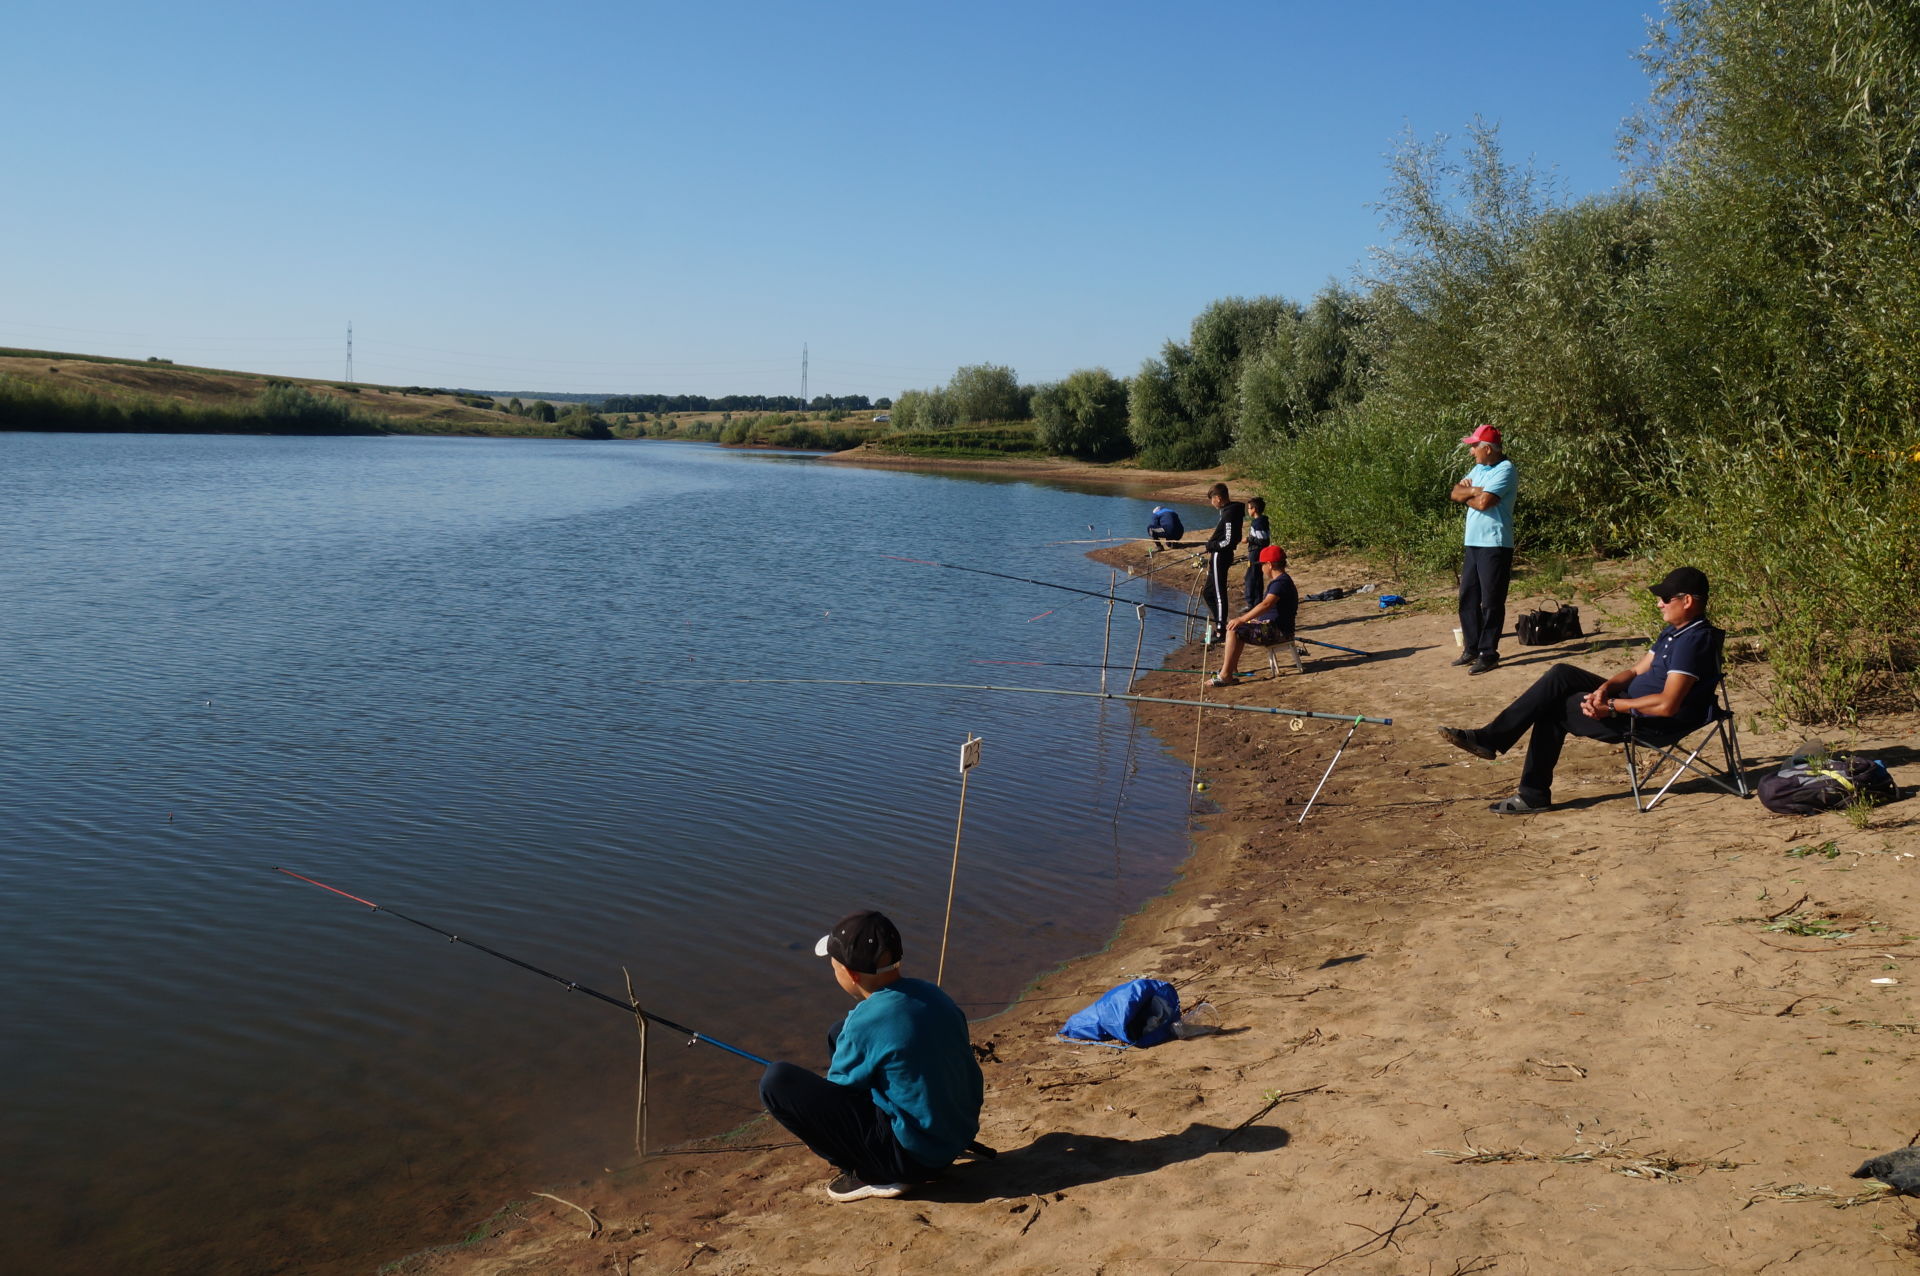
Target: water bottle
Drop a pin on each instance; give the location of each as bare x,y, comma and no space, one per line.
1197,1021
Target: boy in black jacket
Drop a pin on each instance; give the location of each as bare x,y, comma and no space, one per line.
1220,547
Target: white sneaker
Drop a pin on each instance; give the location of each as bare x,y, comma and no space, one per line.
850,1188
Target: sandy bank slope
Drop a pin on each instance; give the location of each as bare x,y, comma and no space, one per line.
1561,1044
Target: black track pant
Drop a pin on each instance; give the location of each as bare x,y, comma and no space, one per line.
1215,590
1483,597
1550,709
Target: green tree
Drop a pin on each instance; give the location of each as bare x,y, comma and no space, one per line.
986,392
1084,416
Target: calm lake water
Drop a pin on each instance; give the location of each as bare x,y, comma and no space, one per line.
477,681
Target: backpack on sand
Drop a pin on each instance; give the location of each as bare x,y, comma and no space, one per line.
1809,785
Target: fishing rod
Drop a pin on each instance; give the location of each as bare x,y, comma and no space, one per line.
627,1006
1094,593
1037,691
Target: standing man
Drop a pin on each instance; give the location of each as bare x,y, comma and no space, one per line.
1220,547
902,1097
1487,491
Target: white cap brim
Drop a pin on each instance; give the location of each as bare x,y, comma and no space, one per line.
820,949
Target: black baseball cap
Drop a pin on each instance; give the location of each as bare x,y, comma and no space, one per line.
1682,580
865,943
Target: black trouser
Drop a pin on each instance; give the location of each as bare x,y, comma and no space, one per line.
1256,582
1215,590
1550,709
841,1124
1483,597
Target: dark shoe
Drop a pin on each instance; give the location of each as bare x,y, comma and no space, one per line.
1515,805
1466,658
1468,741
849,1188
1484,664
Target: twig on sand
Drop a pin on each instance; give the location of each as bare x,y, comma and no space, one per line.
1801,1192
1579,1073
1634,1165
1273,1101
1830,948
593,1223
1793,907
1386,1238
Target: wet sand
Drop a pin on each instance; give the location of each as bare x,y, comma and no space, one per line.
1454,1042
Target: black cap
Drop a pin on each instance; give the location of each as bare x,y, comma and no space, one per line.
865,943
1682,580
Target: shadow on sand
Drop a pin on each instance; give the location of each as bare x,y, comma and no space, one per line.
1062,1159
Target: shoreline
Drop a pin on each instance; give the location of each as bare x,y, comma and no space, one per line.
1526,1045
1169,485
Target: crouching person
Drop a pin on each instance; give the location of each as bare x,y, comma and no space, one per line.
902,1097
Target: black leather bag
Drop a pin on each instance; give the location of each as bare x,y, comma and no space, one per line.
1543,628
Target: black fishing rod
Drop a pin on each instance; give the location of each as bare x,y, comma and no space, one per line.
1036,691
626,1006
1094,593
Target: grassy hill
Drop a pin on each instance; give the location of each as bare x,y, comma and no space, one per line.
49,390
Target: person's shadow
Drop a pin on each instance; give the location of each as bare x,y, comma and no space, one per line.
1062,1159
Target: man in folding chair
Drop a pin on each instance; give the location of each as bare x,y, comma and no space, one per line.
1667,695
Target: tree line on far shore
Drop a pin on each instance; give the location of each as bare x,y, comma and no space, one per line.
1717,363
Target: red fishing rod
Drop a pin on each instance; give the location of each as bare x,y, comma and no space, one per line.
627,1006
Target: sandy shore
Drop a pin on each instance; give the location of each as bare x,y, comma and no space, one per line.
1583,1041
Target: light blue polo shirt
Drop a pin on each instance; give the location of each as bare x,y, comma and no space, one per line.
1494,527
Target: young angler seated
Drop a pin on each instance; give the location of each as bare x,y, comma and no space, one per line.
1665,696
902,1098
1269,621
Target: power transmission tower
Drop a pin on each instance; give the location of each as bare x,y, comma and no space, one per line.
349,352
803,376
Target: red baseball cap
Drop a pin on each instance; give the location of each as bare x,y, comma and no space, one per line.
1273,554
1482,434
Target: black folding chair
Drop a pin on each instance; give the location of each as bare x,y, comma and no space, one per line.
1718,726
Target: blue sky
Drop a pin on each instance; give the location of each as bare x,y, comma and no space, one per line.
647,197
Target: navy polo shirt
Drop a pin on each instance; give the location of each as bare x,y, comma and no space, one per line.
1689,650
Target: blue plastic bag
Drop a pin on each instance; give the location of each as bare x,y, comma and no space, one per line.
1390,600
1139,1013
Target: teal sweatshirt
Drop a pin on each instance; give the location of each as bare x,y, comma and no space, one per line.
907,1045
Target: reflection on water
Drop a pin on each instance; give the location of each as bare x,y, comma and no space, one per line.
479,682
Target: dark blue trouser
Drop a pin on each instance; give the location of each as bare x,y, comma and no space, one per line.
1550,709
1483,597
1256,582
840,1123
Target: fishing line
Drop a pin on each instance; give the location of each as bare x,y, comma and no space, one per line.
1082,664
572,985
1094,593
1022,691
